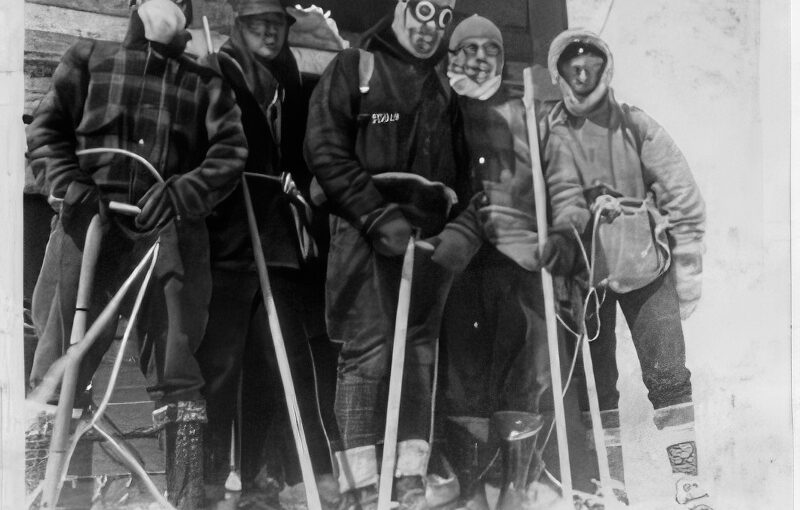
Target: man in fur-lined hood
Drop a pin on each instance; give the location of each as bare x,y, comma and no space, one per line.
621,150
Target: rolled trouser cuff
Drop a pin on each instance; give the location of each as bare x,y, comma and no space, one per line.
358,467
185,411
412,458
674,415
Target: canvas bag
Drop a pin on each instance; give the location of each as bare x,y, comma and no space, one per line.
629,242
630,248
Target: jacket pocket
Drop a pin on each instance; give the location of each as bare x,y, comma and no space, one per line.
379,140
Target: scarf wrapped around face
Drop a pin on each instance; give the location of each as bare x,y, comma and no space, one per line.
474,27
260,80
576,105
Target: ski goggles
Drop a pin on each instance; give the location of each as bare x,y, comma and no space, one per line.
425,11
490,49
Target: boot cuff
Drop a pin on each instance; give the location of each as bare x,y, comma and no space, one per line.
358,467
412,458
674,416
185,411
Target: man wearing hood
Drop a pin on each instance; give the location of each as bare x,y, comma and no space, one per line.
400,118
494,327
146,97
622,150
260,67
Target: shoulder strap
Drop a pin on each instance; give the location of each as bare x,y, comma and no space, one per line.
628,122
366,66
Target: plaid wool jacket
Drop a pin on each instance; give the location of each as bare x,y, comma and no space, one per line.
175,113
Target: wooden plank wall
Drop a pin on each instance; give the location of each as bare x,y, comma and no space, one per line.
51,26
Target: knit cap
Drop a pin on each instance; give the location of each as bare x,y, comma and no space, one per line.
475,26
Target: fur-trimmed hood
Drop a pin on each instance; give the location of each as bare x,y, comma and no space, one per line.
579,106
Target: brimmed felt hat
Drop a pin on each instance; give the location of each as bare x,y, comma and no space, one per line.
256,7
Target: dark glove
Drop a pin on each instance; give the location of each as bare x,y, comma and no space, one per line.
451,249
156,206
390,233
560,253
81,198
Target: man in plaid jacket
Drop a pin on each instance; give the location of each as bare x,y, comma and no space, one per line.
143,96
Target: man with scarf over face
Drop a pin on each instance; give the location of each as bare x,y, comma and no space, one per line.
621,150
494,328
402,119
146,97
260,67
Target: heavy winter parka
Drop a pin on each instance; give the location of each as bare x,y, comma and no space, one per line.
624,148
406,122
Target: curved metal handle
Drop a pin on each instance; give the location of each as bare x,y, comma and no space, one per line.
140,159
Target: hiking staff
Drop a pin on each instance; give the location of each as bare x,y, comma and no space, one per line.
295,420
540,201
396,380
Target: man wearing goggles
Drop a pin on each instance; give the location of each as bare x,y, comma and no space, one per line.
420,24
399,117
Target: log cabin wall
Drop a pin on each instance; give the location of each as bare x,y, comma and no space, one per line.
51,26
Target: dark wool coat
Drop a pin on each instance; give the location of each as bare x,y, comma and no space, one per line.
408,122
182,118
274,146
178,115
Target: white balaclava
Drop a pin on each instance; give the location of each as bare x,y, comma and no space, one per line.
162,19
574,104
474,27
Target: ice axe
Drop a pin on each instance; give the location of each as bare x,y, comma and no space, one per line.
296,421
396,379
540,201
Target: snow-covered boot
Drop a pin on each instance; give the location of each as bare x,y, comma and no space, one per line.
358,478
517,431
676,426
183,423
410,472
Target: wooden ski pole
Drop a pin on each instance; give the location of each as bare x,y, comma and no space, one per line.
594,410
312,493
396,380
540,202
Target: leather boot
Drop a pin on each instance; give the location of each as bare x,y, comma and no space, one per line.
183,423
517,431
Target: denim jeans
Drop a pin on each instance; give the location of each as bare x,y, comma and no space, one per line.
653,316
